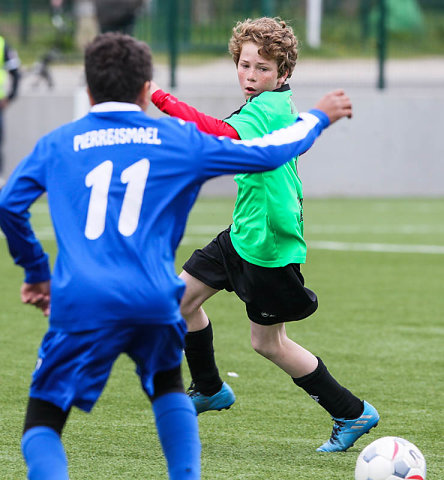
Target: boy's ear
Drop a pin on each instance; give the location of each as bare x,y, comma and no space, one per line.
90,97
144,98
282,80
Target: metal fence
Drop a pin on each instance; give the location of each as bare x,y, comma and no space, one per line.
348,26
196,26
205,26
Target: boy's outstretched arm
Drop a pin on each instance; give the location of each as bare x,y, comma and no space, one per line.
274,149
170,105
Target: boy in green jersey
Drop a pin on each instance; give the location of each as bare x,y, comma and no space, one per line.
259,256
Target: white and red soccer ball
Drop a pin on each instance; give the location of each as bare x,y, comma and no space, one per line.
390,458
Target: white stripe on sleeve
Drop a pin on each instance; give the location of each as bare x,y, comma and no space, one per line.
294,133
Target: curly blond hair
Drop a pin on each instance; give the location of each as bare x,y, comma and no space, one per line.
274,38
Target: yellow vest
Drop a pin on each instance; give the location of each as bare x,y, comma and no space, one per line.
3,73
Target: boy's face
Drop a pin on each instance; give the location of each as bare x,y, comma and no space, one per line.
256,73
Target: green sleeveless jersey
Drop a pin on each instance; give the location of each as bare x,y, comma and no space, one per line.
267,227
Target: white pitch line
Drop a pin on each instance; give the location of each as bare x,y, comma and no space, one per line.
47,234
406,229
377,229
204,229
376,247
345,246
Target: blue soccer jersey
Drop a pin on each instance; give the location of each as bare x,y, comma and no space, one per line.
120,186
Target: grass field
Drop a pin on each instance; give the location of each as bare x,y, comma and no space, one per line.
377,267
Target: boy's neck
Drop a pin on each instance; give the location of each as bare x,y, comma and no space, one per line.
285,87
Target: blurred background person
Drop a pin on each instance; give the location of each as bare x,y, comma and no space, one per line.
86,22
117,15
9,64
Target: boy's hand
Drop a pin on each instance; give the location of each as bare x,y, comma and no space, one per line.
335,105
37,294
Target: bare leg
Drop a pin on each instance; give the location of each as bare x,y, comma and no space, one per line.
271,342
306,370
196,293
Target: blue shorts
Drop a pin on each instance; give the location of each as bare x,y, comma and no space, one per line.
73,367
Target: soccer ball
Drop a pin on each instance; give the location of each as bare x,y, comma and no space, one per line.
390,458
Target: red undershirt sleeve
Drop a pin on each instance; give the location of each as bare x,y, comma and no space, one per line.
170,105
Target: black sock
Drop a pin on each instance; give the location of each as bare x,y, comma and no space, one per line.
199,352
336,399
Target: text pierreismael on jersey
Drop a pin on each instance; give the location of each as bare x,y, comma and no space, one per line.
116,136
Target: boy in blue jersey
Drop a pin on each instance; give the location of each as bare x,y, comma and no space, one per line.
120,186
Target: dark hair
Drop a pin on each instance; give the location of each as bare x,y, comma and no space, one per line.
116,67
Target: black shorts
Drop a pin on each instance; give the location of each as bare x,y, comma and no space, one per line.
271,295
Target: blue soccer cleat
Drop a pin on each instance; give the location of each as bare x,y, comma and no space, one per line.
346,432
223,399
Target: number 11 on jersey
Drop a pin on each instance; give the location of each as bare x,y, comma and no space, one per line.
99,180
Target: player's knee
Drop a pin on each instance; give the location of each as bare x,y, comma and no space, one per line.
169,381
264,347
194,316
41,413
188,308
196,293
